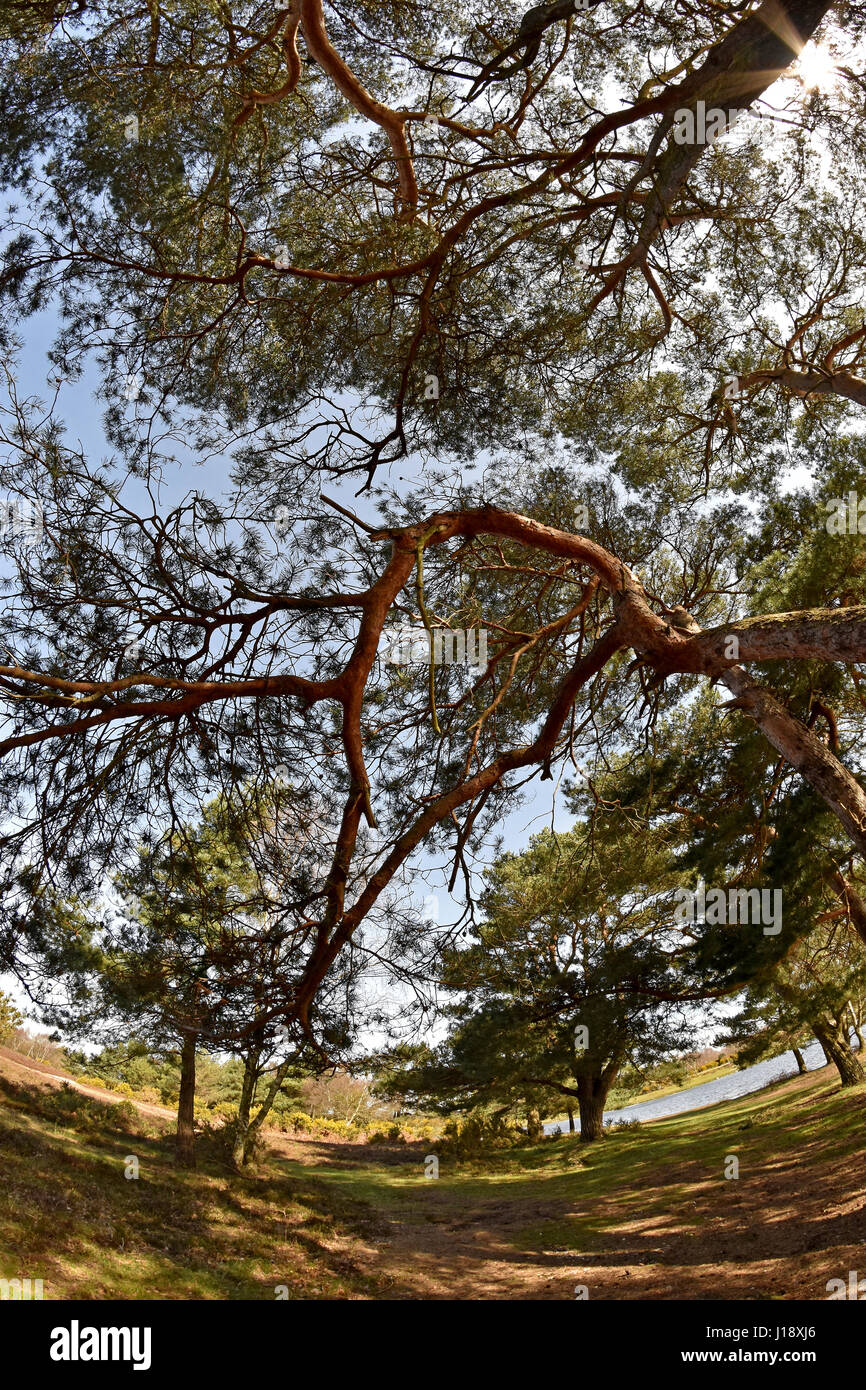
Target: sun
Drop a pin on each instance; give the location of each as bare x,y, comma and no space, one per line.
815,68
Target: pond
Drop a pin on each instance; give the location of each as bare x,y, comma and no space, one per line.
738,1083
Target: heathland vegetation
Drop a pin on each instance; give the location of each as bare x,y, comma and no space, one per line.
433,640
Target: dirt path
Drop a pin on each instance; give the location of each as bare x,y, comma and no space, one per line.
797,1220
17,1062
446,1247
794,1221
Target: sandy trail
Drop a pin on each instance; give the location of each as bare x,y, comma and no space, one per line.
797,1222
40,1069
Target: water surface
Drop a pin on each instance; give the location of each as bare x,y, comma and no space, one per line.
738,1083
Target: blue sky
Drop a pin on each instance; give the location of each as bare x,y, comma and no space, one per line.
81,411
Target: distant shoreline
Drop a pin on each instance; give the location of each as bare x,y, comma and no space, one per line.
711,1074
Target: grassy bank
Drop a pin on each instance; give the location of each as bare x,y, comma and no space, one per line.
646,1213
70,1216
699,1079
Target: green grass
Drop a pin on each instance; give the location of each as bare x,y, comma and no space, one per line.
69,1216
649,1170
318,1221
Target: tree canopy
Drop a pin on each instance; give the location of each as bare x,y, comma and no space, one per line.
573,975
617,355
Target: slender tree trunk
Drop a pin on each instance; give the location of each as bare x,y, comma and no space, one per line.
800,1060
242,1124
569,1110
354,1115
184,1149
839,1053
265,1108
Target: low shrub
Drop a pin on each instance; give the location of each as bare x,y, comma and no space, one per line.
68,1106
125,1118
475,1135
322,1126
149,1094
393,1134
420,1126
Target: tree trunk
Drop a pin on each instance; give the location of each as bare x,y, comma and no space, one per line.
184,1149
241,1141
814,761
265,1108
798,745
836,1048
534,1127
854,904
591,1096
800,1060
569,1110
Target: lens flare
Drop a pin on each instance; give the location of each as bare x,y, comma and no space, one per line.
816,69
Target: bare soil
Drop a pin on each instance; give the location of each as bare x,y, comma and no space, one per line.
795,1218
788,1225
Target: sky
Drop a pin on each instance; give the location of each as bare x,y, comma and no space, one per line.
79,407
